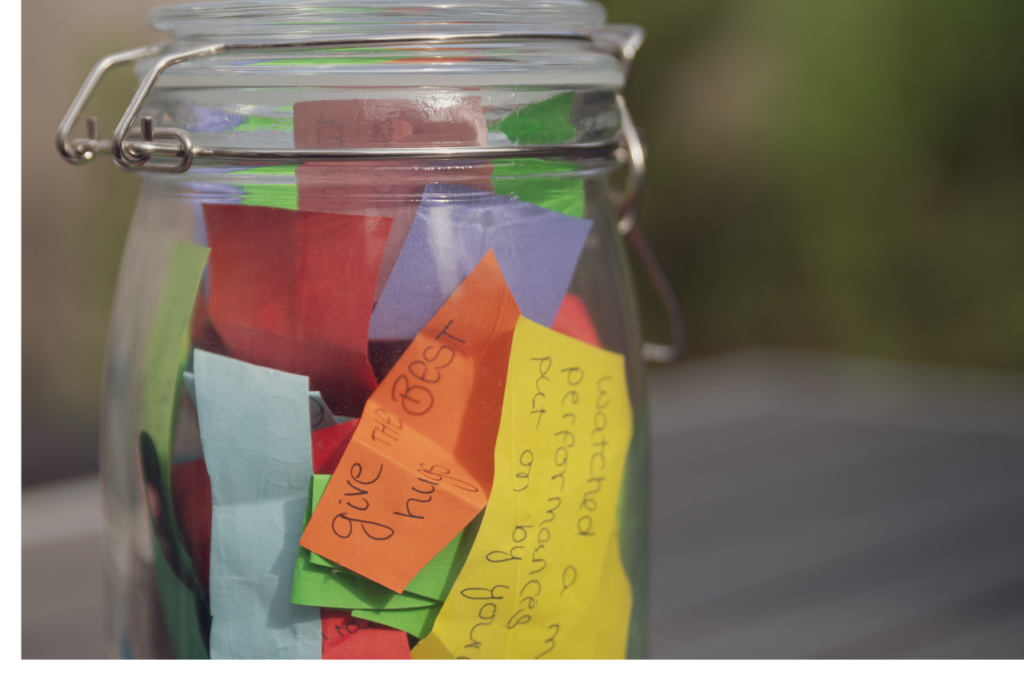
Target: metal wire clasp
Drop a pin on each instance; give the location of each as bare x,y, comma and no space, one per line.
83,150
135,150
634,156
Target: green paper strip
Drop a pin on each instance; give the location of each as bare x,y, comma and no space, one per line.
314,585
253,124
178,605
320,482
167,352
434,580
272,195
417,622
166,357
288,169
545,122
540,184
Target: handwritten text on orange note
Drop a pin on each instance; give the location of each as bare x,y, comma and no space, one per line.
420,465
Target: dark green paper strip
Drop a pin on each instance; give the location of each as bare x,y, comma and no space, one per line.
417,622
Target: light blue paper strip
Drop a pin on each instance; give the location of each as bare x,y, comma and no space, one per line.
537,250
320,415
254,425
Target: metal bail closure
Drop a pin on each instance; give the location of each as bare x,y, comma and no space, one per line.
629,209
135,149
80,150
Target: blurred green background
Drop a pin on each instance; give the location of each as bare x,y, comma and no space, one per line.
843,176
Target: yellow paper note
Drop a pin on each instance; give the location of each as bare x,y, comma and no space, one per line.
430,648
544,578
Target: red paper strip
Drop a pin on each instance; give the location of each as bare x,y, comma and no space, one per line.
382,188
355,123
329,444
293,290
193,503
346,637
202,333
573,319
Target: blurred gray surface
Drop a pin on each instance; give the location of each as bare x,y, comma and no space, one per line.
803,506
62,571
823,506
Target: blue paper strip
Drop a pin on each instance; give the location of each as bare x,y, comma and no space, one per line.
254,424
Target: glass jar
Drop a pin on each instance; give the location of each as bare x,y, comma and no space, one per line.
323,182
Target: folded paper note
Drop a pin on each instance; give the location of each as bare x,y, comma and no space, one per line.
537,250
545,577
293,290
419,469
316,585
417,622
430,648
254,424
435,580
351,638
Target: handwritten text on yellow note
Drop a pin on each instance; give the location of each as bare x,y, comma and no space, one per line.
544,578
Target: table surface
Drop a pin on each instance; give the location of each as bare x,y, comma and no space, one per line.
803,505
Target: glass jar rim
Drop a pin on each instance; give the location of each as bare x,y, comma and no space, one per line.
229,18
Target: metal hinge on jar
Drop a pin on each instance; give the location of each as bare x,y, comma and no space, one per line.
137,149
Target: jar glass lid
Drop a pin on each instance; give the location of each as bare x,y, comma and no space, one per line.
271,18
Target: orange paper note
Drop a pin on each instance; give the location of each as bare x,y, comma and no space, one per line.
420,465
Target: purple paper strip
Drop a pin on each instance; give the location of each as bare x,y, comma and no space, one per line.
454,228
